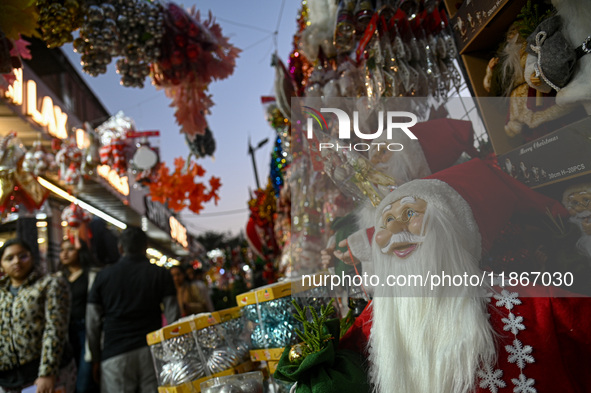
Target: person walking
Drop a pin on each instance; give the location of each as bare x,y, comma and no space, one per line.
34,310
80,271
124,305
189,297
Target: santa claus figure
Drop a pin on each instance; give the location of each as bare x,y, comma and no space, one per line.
465,336
440,144
577,199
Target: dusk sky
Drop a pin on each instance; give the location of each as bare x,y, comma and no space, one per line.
237,114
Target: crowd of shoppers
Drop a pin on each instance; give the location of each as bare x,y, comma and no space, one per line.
83,329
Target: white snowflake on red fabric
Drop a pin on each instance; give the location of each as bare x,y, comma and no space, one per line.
519,354
513,323
507,299
491,379
524,384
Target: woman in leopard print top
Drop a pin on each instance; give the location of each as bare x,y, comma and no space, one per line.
34,310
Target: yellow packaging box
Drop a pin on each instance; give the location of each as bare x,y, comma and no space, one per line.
259,355
195,386
176,329
263,294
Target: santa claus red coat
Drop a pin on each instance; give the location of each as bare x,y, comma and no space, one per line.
543,341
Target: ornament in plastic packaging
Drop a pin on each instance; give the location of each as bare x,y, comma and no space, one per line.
251,382
209,337
319,30
344,32
180,371
222,358
284,87
363,13
283,335
330,92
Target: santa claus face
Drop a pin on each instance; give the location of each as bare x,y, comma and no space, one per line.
579,207
401,227
414,324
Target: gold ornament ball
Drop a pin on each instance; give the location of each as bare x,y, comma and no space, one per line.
296,353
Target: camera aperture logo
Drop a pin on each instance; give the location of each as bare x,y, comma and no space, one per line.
394,120
317,116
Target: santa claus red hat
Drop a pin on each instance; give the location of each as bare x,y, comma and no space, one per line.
439,145
480,196
444,140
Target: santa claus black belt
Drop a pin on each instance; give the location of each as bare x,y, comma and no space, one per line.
584,48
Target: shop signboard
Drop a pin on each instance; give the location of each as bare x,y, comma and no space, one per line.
117,182
34,100
163,218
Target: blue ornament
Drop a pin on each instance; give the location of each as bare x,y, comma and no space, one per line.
258,339
283,335
278,310
250,312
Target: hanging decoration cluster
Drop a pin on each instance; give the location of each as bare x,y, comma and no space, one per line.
280,157
180,189
260,227
18,182
180,52
194,53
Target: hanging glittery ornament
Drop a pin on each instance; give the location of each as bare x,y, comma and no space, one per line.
127,28
57,20
96,52
140,32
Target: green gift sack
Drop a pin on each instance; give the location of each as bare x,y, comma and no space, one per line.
328,371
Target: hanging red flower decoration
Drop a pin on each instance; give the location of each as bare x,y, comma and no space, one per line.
194,54
180,189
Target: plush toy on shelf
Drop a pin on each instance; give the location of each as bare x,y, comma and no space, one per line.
532,112
559,54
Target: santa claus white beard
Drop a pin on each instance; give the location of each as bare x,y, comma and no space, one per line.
425,341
